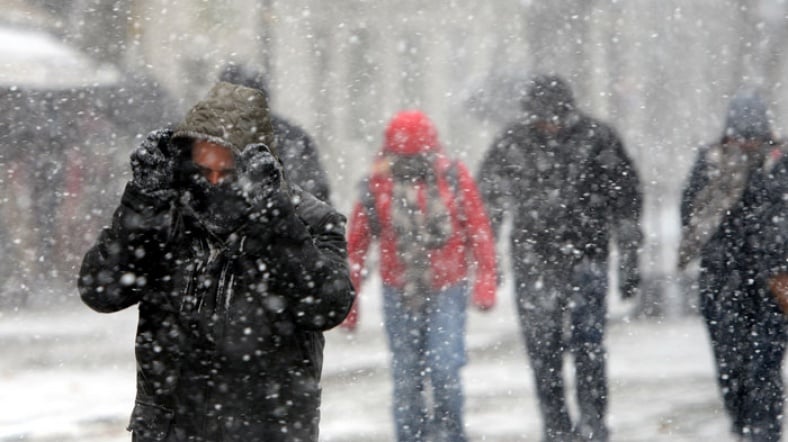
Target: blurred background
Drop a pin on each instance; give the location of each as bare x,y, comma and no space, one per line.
81,80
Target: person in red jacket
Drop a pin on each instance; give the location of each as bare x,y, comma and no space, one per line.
434,235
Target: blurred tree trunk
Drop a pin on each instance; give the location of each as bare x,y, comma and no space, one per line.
746,57
557,33
762,37
265,14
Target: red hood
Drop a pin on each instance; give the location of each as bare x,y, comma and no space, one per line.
409,133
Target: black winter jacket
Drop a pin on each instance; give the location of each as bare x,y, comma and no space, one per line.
300,158
751,241
229,343
567,195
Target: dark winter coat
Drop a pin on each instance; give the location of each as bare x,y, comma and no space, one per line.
229,343
300,158
749,245
774,221
566,195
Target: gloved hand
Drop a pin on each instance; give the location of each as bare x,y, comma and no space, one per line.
260,174
262,185
628,282
484,292
628,271
351,320
483,304
152,170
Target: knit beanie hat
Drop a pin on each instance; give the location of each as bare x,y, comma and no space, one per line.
548,97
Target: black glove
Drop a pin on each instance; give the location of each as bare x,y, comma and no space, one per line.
628,282
153,170
260,174
265,190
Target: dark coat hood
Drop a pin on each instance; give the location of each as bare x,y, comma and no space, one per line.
548,97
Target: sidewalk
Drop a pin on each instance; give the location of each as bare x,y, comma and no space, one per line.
662,385
68,375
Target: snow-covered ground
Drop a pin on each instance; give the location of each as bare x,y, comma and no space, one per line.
68,375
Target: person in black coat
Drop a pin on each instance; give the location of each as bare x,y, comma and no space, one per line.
733,219
236,274
297,150
570,187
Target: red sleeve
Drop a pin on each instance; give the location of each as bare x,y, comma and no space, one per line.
480,240
359,239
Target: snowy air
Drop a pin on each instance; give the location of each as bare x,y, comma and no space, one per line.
374,221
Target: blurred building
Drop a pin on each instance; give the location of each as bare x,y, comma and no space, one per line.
65,115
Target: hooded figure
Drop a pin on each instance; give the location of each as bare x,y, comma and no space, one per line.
733,218
569,187
236,274
434,237
297,150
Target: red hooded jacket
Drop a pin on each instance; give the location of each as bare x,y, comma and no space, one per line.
469,249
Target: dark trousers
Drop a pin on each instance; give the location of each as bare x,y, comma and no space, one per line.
747,333
550,301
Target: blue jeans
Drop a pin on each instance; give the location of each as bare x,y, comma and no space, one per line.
428,350
547,300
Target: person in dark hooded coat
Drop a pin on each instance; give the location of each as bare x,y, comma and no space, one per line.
733,219
297,150
570,187
236,274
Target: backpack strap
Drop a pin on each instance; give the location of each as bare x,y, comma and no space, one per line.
370,209
452,177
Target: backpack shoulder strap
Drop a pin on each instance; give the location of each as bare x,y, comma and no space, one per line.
370,209
452,177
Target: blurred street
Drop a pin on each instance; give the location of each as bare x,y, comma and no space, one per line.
68,375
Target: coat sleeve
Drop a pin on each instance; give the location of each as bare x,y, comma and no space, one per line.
494,181
772,225
310,269
480,239
128,255
697,180
625,197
